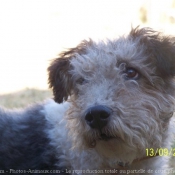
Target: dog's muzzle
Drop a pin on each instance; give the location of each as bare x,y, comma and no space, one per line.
97,117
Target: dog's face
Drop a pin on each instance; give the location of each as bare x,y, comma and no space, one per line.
121,92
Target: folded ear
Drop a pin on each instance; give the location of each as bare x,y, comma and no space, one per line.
161,49
60,78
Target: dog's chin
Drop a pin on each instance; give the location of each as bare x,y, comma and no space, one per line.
108,145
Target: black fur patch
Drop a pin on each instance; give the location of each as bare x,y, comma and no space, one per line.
24,144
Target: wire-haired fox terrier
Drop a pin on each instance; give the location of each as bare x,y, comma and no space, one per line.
117,101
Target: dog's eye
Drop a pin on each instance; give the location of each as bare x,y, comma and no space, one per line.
131,73
81,81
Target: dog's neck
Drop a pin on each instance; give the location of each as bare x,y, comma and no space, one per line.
126,165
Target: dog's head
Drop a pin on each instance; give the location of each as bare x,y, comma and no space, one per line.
121,91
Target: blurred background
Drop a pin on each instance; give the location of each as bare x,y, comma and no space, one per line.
33,32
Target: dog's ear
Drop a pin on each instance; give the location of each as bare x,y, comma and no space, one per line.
163,50
60,78
160,48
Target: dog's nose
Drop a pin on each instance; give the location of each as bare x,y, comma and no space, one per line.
98,116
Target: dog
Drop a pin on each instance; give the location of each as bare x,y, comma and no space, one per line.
112,111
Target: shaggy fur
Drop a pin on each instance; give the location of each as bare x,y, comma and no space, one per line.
120,101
